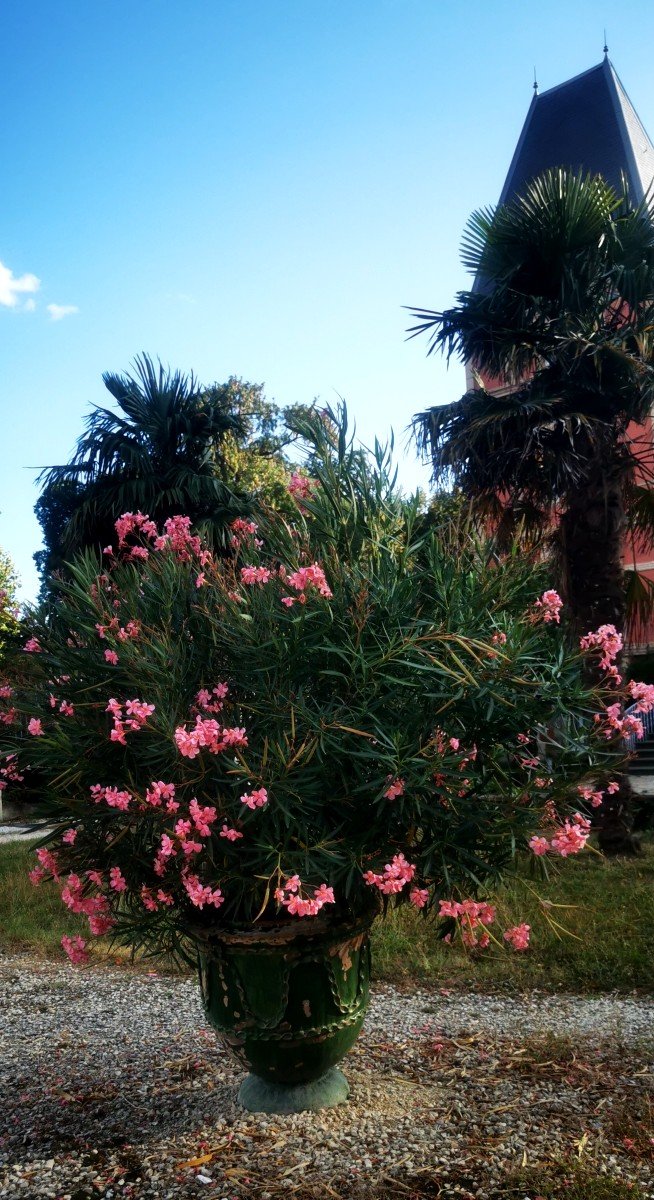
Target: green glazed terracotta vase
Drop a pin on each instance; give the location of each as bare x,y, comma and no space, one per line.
288,1001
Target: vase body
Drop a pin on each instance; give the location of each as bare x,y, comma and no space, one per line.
288,1000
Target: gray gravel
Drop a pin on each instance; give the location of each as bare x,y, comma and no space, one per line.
114,1086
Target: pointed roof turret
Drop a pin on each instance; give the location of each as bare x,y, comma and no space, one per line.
587,123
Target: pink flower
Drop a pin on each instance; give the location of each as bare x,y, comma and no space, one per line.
200,580
134,523
454,743
48,861
300,487
290,895
395,789
190,847
167,847
35,727
255,799
613,787
33,646
539,845
255,575
139,712
117,799
419,897
36,876
69,837
643,694
147,899
159,791
66,709
111,657
199,895
203,818
75,949
499,638
212,701
550,605
518,936
572,836
232,835
396,875
471,914
241,530
310,577
117,880
99,925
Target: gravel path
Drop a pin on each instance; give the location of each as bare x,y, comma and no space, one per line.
113,1086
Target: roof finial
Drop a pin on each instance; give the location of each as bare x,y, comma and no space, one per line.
606,48
535,83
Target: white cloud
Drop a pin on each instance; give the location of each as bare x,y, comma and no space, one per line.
59,311
29,306
12,287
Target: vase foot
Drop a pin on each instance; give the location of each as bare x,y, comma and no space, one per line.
260,1095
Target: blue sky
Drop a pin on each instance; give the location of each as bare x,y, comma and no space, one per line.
255,187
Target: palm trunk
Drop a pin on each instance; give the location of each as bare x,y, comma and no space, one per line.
590,538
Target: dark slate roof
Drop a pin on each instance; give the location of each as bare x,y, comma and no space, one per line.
586,123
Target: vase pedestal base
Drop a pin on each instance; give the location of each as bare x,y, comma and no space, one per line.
260,1095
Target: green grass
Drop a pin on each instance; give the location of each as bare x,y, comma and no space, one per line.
32,918
611,916
565,1182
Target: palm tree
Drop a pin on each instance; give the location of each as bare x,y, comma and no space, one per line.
558,332
159,452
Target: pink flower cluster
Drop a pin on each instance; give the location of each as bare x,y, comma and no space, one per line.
518,936
608,641
242,531
96,908
33,646
255,799
627,726
394,789
200,894
134,717
419,897
134,523
310,577
208,734
300,486
471,914
124,633
212,701
396,875
9,773
549,606
590,794
569,838
75,948
176,537
160,793
643,694
255,575
289,895
111,796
